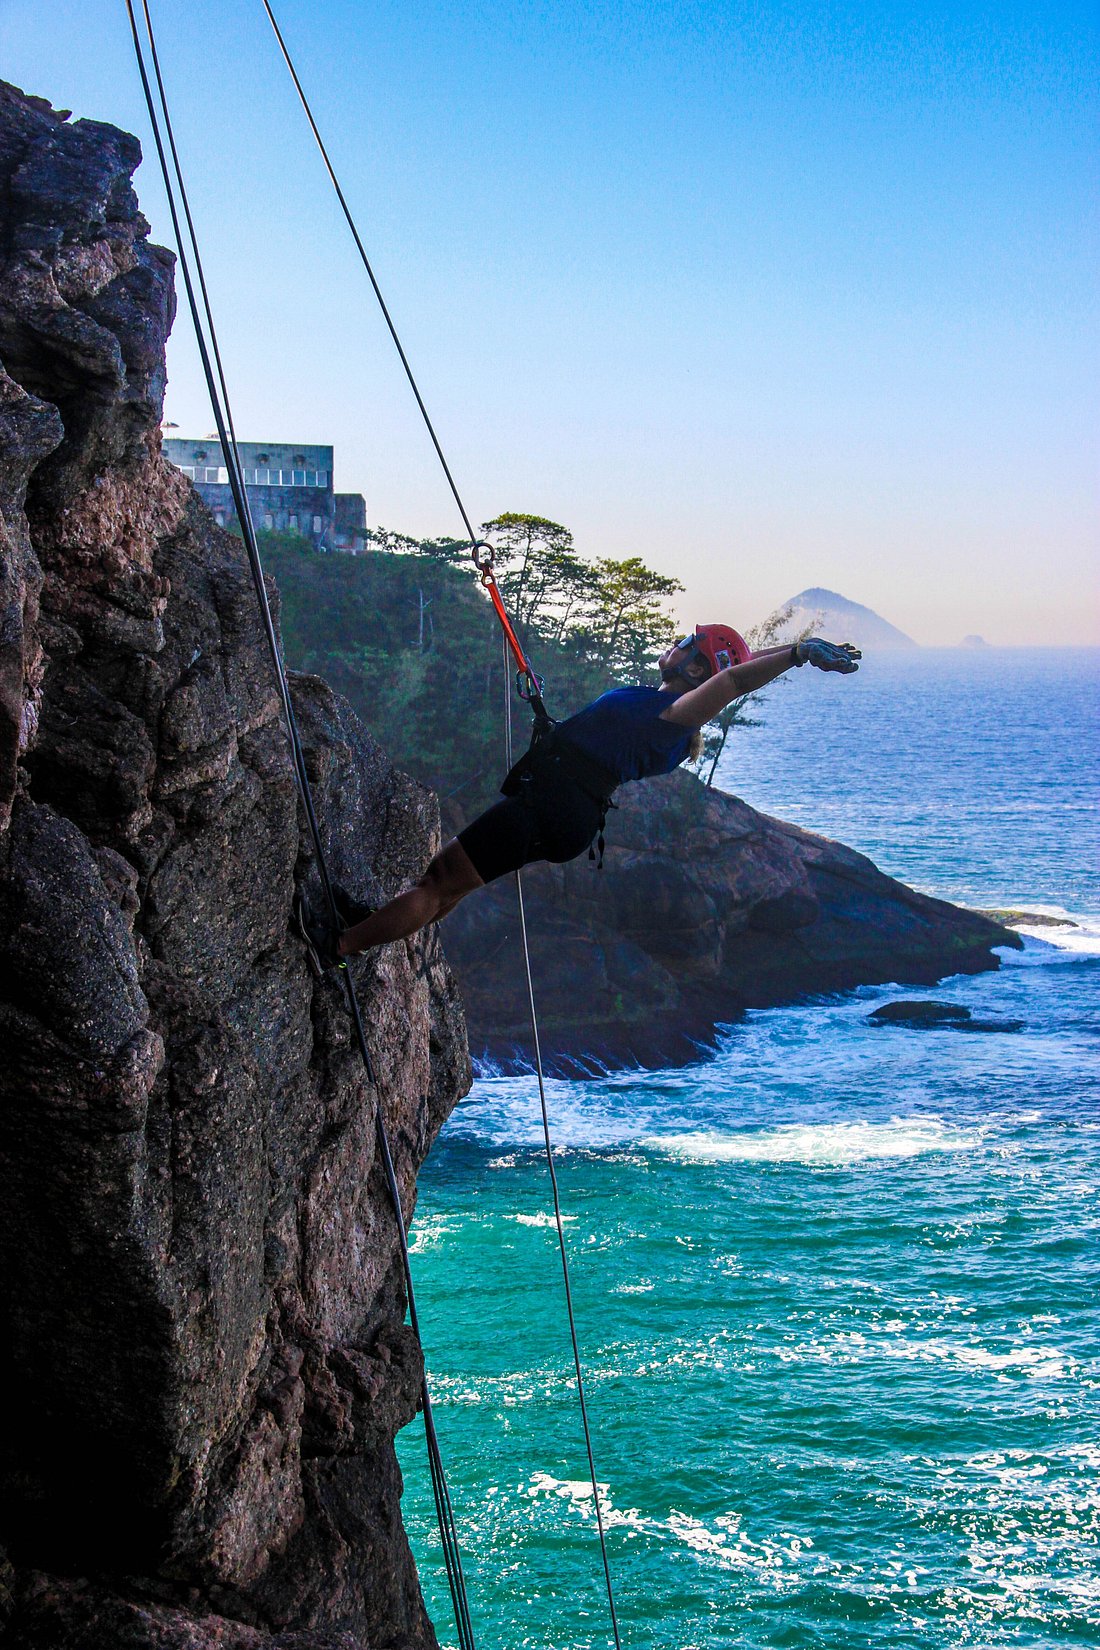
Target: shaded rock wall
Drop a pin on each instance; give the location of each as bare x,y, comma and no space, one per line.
200,1292
704,908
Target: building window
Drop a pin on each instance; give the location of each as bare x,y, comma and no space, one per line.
269,522
316,524
219,517
188,470
322,478
294,524
223,476
297,478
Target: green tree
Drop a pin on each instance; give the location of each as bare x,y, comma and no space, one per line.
405,632
537,567
628,625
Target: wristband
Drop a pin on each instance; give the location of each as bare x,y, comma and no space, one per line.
795,660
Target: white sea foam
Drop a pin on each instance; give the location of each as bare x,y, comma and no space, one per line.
1039,1363
1044,945
430,1230
854,1346
825,1143
722,1542
544,1218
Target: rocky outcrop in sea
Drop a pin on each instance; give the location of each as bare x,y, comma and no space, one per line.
704,908
201,1304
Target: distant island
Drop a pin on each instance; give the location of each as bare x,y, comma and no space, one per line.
841,620
973,641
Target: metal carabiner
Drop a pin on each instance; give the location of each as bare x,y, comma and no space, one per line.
484,564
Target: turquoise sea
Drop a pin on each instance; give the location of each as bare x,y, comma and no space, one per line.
837,1285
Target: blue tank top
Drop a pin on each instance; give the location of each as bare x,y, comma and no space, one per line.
623,731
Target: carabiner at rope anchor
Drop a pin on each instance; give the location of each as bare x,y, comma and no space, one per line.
528,685
483,563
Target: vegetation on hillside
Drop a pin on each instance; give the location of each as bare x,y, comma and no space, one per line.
405,632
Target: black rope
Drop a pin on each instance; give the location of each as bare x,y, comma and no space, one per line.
220,404
483,559
559,1223
482,553
361,249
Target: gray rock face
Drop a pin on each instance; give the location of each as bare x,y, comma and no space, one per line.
200,1292
704,908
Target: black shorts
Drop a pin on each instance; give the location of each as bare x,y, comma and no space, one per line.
553,819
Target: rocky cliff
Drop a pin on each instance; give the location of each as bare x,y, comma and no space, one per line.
200,1294
704,908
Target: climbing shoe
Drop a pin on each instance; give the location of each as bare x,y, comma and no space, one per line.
319,933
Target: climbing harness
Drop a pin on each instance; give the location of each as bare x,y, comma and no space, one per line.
575,765
220,405
528,685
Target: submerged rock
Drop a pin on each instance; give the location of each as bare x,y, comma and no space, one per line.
920,1013
927,1014
201,1300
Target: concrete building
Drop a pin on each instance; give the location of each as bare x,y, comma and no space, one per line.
351,521
289,487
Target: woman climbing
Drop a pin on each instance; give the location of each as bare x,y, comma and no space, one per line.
558,794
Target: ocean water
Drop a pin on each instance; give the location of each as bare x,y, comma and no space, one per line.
837,1286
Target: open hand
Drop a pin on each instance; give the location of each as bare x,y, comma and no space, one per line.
840,656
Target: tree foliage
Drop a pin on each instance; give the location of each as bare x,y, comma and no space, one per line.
403,630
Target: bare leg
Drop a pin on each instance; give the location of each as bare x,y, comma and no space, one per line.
449,878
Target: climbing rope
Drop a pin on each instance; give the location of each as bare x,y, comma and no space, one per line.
548,1145
530,687
220,405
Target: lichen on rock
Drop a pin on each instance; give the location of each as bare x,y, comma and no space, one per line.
200,1288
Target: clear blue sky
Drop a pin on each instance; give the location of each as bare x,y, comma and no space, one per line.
773,295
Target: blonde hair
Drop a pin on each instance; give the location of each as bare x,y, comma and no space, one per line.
695,746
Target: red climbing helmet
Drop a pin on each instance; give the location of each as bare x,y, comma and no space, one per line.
720,646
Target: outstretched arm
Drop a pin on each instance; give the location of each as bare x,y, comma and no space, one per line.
700,705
